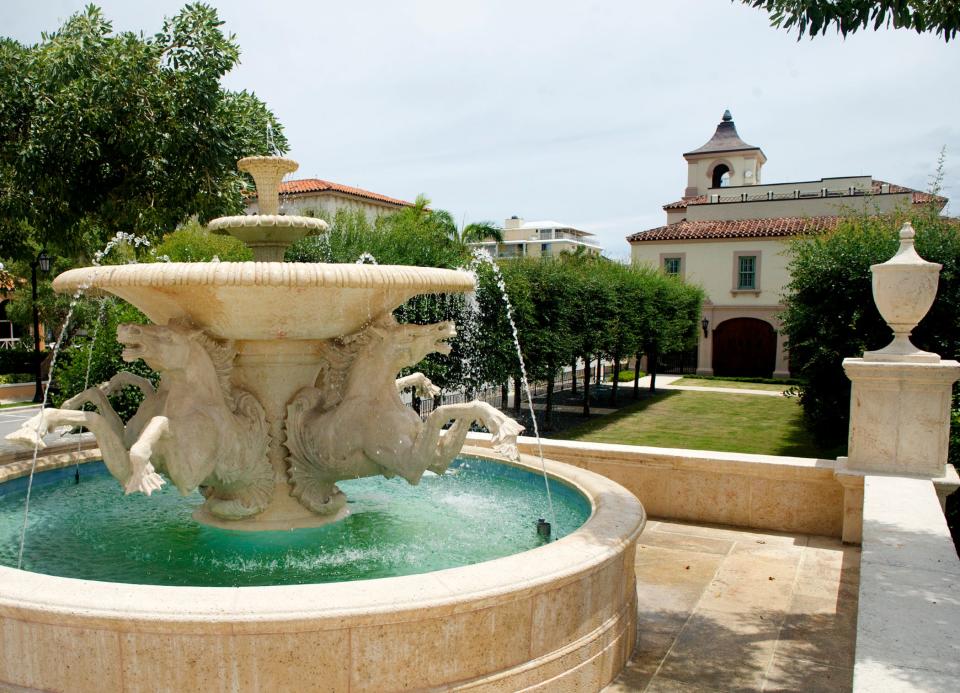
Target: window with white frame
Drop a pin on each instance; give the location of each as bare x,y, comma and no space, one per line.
671,265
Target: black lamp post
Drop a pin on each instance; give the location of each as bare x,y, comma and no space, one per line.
43,262
705,324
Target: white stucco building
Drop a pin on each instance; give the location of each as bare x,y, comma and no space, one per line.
539,239
729,232
314,194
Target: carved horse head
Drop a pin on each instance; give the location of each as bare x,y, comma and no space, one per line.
164,348
407,344
386,346
179,347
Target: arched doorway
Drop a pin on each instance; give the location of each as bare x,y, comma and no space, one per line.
744,347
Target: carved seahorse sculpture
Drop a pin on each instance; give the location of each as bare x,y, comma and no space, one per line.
354,423
195,427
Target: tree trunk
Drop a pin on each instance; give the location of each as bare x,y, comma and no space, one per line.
652,357
415,401
517,394
586,385
599,368
636,377
504,396
616,380
548,413
573,375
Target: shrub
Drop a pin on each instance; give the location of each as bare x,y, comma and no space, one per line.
625,376
193,243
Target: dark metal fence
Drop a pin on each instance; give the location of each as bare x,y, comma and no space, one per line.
491,394
679,363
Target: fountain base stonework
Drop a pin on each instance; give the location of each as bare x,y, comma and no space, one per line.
561,617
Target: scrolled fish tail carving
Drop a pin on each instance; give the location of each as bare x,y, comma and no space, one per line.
242,484
311,485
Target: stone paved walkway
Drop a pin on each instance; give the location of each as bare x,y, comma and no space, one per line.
723,609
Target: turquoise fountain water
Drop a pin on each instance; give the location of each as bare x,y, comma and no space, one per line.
477,511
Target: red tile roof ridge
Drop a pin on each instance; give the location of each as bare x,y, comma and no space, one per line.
776,227
682,203
309,185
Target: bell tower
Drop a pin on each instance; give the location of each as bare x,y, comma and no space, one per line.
724,161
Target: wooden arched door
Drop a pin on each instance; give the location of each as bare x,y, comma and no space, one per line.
744,347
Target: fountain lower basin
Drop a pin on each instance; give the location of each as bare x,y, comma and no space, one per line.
563,613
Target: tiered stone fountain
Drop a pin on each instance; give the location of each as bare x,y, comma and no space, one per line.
278,380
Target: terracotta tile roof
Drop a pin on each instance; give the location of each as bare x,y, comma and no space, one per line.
919,197
316,185
737,228
682,204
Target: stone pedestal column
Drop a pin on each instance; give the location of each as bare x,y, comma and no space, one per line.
274,371
900,416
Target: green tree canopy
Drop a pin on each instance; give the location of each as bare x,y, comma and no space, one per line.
103,132
849,16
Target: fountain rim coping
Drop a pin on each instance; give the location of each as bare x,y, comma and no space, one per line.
272,221
277,274
616,520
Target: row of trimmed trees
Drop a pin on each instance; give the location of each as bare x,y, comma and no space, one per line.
583,308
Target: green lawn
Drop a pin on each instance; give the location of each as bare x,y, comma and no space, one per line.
707,421
15,404
734,384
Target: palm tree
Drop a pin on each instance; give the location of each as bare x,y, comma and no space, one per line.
478,232
420,214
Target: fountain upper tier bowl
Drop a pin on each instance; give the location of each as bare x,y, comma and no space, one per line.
266,300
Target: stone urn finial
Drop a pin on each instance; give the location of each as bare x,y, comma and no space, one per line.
904,288
267,233
267,172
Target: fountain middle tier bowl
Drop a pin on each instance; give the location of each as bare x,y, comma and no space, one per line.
266,300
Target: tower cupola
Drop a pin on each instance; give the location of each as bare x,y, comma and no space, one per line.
724,161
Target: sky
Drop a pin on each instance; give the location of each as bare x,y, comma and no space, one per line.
572,111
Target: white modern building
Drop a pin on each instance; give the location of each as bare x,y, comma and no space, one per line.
539,239
729,234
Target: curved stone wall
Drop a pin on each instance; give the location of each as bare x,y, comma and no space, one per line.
560,617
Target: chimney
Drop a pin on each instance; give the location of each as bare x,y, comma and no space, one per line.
513,222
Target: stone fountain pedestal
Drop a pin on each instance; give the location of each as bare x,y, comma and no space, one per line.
274,371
